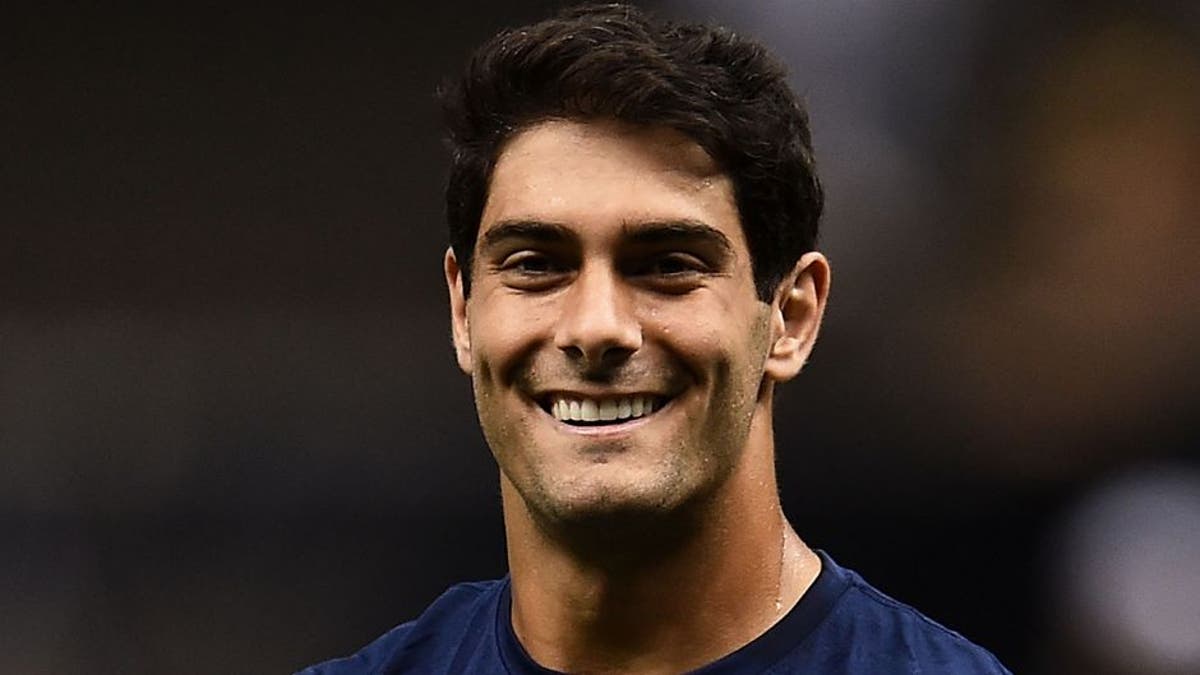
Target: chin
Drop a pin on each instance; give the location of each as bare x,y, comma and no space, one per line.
648,477
614,503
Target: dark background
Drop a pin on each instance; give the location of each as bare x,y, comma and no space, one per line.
232,435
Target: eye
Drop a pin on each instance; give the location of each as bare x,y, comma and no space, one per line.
531,270
674,264
672,272
528,262
670,265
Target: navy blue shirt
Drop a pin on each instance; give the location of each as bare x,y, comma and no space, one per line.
841,625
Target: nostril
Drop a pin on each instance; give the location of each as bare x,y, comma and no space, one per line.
573,351
597,317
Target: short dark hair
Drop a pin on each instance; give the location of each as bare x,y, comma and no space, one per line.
725,92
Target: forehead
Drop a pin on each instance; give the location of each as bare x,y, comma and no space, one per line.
595,177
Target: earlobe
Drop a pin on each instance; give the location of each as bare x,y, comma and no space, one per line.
459,323
796,313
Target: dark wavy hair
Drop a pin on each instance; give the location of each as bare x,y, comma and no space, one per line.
722,90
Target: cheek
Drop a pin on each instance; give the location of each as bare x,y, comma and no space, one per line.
502,336
728,355
714,333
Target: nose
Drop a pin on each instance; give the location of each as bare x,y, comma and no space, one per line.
598,325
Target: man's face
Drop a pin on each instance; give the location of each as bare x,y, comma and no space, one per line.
613,333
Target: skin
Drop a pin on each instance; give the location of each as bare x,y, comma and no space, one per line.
611,261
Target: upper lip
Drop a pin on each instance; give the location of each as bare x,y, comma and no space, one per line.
568,393
546,397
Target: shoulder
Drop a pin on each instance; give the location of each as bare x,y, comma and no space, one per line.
458,620
873,632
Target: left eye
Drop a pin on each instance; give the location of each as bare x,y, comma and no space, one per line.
674,265
672,273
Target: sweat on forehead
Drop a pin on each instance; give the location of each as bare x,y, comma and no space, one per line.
526,183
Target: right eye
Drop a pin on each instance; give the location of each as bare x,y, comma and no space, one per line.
531,270
528,262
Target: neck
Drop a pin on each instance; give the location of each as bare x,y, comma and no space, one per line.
664,596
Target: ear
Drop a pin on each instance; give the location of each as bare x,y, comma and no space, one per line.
460,327
796,312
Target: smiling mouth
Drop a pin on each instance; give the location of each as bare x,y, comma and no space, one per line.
592,412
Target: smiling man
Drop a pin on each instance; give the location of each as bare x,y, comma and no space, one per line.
633,214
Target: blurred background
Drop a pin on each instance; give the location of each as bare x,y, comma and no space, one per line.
233,438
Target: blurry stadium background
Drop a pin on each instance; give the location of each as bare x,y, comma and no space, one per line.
233,438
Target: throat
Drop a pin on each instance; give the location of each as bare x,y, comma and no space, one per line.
638,610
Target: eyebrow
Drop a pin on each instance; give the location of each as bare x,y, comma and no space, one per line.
528,230
659,232
638,233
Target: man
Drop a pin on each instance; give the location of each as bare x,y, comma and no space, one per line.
633,213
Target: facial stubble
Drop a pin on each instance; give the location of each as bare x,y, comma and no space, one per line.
693,467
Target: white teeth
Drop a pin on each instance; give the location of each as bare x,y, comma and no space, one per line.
596,410
589,411
608,410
